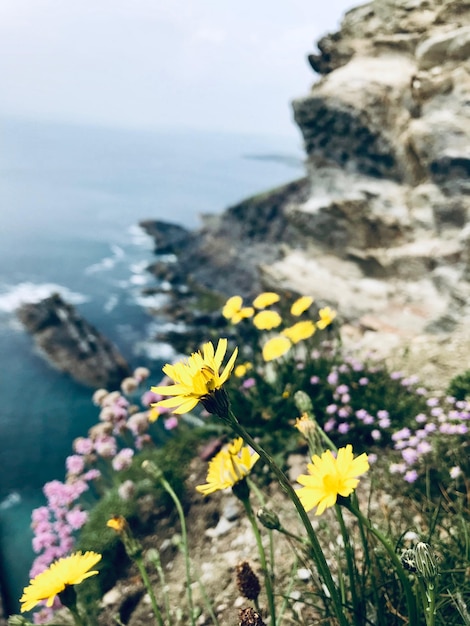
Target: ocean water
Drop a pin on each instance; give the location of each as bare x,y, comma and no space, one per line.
71,198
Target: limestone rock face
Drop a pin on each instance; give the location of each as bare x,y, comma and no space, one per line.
387,135
71,344
379,228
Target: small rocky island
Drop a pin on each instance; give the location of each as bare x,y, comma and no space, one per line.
71,344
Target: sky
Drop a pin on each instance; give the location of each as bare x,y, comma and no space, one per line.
200,64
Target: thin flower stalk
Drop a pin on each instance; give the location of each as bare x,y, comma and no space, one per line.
318,555
402,575
153,470
154,557
268,582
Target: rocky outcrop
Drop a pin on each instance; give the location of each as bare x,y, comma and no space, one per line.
71,344
380,226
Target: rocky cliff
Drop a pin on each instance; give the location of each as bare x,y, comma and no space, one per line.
71,344
380,226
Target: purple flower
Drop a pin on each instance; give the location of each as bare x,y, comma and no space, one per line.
345,398
432,401
411,476
421,418
361,414
343,428
342,389
384,422
363,381
331,409
314,380
329,425
332,378
344,411
376,434
423,447
396,375
404,433
409,455
248,383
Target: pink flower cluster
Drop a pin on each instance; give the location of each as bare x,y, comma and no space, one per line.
109,447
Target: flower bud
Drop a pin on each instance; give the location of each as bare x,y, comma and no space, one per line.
268,518
426,562
249,617
247,581
303,402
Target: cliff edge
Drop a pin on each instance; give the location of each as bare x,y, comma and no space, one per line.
379,227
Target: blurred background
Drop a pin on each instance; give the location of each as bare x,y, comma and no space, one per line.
112,112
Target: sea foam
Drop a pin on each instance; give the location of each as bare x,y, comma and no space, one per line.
14,296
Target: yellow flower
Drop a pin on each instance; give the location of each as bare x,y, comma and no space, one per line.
242,369
305,425
266,320
228,467
327,315
117,523
265,299
301,305
71,570
195,379
235,311
330,477
275,348
300,331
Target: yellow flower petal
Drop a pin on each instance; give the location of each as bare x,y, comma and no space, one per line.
329,477
267,320
327,315
300,331
71,570
275,348
265,299
195,378
301,305
228,467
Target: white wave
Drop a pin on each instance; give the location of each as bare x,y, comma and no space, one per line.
111,303
139,237
108,262
155,350
14,296
11,499
154,301
140,267
138,279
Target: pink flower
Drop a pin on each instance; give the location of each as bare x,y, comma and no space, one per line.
75,464
411,476
83,445
123,459
171,423
106,446
76,518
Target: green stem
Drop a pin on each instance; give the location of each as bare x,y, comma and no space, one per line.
184,538
409,596
148,585
154,557
262,556
318,555
77,618
350,564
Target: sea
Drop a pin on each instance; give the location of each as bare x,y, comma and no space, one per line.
71,198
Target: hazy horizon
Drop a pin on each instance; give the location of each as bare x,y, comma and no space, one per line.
140,64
